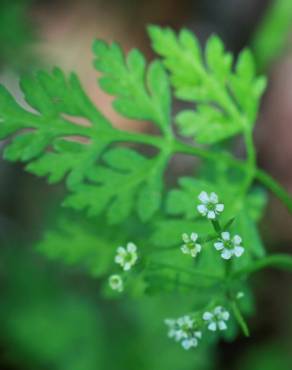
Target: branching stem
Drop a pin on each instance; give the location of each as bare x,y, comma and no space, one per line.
177,146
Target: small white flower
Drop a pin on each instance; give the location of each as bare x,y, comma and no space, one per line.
229,246
217,318
190,246
116,283
192,341
126,257
210,206
184,330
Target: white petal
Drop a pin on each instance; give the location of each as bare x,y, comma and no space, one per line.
207,316
180,334
218,310
211,215
119,259
236,240
180,321
219,207
188,321
226,254
134,258
121,250
212,326
213,198
127,266
185,249
185,238
202,209
131,247
204,197
222,325
238,251
225,235
171,333
198,334
198,248
194,237
219,246
186,344
190,342
169,322
194,252
225,315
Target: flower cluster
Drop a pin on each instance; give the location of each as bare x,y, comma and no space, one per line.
190,245
210,206
228,246
188,331
184,330
126,258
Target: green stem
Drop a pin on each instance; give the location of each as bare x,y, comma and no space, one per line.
240,319
191,272
176,146
275,188
280,261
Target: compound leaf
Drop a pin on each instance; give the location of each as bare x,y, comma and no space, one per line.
226,100
139,93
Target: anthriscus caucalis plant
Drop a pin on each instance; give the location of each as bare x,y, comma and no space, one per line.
139,235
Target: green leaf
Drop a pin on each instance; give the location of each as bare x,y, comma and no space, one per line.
130,181
226,102
62,135
76,244
55,101
246,87
139,93
205,124
272,34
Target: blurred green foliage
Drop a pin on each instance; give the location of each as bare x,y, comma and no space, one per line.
50,322
272,34
16,34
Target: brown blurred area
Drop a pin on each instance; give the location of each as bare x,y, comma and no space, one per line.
68,28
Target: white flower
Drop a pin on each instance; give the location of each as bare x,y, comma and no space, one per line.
190,246
126,257
229,246
210,206
184,330
216,319
192,341
116,283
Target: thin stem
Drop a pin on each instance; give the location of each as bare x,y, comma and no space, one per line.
186,271
176,146
275,188
280,261
240,319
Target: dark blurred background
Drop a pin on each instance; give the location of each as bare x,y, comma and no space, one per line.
52,318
